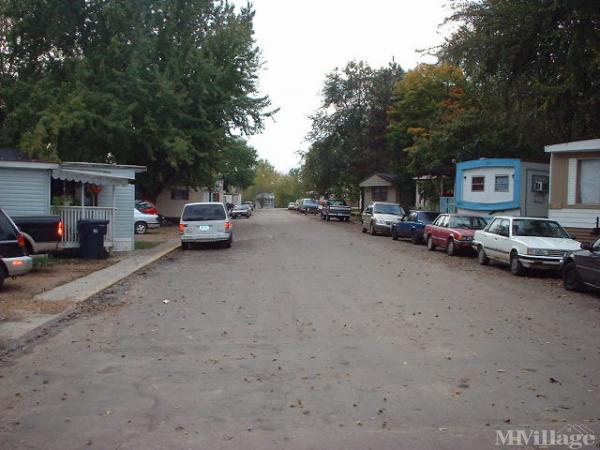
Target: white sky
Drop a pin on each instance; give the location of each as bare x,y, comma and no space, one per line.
303,40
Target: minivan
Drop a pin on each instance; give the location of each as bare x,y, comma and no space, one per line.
205,222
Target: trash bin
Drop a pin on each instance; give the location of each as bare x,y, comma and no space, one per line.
91,238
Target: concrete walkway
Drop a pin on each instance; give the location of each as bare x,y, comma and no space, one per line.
18,333
83,288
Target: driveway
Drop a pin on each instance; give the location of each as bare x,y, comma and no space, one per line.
309,335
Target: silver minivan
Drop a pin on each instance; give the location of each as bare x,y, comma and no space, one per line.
205,222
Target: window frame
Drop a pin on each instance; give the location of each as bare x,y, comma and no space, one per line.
496,177
578,199
379,193
481,177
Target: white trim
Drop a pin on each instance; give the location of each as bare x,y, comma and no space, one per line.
28,165
576,146
572,182
86,176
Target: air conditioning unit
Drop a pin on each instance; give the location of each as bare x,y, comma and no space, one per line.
540,186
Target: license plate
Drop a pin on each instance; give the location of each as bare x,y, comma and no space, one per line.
203,227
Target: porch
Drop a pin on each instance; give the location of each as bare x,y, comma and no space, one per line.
71,215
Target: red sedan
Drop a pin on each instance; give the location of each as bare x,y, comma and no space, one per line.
453,232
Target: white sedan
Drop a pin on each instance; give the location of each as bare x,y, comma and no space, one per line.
523,242
144,221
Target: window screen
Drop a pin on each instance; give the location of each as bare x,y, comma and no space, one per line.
501,184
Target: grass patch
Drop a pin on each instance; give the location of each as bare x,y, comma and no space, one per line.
144,245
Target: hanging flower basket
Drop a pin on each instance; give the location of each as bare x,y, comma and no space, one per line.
94,189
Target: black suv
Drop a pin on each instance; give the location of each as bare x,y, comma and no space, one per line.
582,268
13,261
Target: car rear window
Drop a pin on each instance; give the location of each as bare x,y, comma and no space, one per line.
7,230
204,212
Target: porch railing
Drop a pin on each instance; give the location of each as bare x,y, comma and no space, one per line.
72,214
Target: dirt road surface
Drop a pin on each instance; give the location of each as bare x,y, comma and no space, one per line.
309,335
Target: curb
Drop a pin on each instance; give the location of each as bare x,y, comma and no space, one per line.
45,328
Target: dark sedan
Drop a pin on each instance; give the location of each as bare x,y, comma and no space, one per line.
581,268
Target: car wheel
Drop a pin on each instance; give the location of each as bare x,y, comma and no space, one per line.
414,238
482,257
228,242
516,268
394,234
450,248
430,244
185,245
140,227
571,278
372,230
2,277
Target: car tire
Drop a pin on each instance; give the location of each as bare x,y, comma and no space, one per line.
482,257
228,243
394,234
430,244
140,227
372,230
450,248
516,268
2,277
185,246
571,278
414,239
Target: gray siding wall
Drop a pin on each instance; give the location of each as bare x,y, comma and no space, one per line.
124,202
25,192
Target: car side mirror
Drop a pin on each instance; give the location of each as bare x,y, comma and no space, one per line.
587,246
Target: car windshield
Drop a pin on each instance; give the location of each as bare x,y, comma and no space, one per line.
203,212
427,217
337,203
388,208
540,228
144,205
468,222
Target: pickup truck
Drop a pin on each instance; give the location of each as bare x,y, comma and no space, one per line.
337,209
43,234
13,261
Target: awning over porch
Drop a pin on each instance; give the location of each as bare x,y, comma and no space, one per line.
88,176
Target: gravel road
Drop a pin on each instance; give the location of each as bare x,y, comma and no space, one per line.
309,335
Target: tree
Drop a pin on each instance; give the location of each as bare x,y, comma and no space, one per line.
348,133
535,66
164,83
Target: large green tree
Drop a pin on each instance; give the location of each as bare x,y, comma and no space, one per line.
163,83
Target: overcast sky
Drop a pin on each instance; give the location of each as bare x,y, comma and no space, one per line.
303,40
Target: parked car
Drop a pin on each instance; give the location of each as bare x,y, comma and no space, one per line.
581,268
43,234
379,217
13,260
146,207
412,225
453,232
524,242
308,206
337,209
241,211
292,206
144,221
205,222
251,204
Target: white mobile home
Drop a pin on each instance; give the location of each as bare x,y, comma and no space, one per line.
72,190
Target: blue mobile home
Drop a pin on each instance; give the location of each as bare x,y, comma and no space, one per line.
502,186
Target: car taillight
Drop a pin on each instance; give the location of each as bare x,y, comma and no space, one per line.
60,229
228,225
182,228
21,240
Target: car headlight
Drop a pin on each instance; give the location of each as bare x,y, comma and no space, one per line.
380,221
466,238
538,252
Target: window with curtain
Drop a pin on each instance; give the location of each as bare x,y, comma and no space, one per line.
589,181
380,193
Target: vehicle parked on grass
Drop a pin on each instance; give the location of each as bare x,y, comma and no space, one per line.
337,209
205,222
379,217
308,206
581,268
524,242
43,234
142,222
412,225
241,211
13,260
453,232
